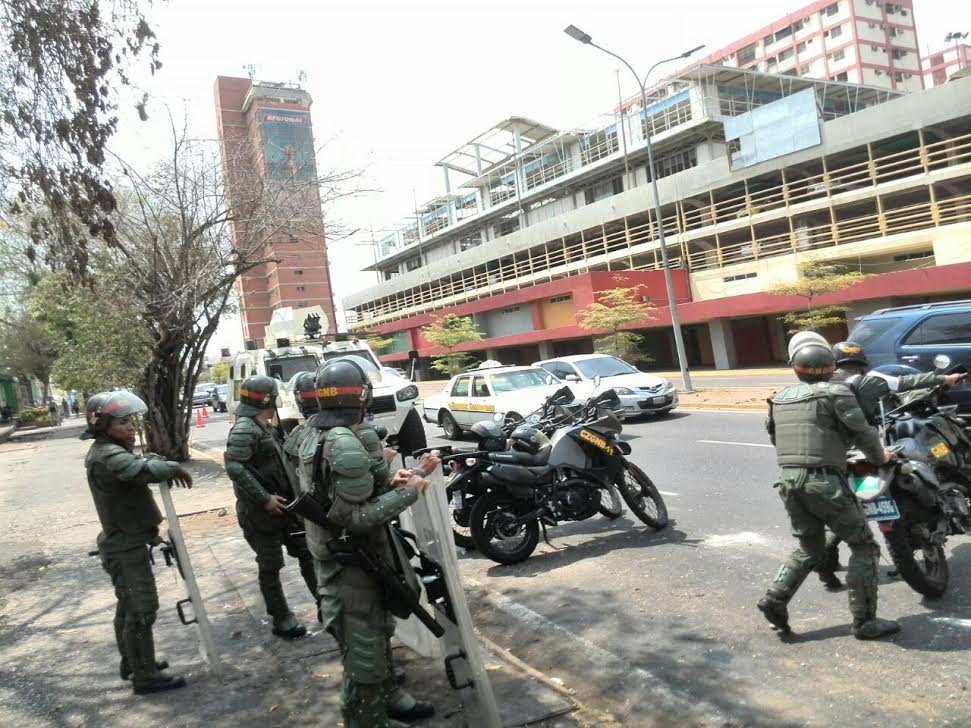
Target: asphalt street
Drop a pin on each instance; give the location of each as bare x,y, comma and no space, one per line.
660,628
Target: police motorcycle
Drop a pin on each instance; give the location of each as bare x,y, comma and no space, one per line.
923,495
544,480
464,468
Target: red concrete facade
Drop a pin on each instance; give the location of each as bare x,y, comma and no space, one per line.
298,274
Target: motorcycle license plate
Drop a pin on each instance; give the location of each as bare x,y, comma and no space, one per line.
881,509
457,500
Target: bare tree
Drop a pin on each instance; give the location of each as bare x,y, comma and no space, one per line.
186,238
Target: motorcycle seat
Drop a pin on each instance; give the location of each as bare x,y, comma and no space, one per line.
518,474
514,457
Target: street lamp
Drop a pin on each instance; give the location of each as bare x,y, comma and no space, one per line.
577,34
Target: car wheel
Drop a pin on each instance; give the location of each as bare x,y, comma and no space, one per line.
450,426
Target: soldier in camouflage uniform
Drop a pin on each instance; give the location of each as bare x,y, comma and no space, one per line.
353,481
812,425
304,388
129,518
870,388
263,482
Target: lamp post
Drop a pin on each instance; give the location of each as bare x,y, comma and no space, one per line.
577,34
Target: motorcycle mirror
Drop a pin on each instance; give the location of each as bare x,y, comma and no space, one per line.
549,378
497,417
596,381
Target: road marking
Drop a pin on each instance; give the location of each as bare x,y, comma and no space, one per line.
745,538
745,444
668,493
953,621
668,697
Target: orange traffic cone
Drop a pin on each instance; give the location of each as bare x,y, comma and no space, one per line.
199,422
205,412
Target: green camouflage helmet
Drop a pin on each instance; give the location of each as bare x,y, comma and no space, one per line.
256,394
813,362
304,388
344,390
115,405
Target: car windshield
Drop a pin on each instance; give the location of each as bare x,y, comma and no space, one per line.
604,366
203,389
284,367
869,331
363,353
522,379
222,389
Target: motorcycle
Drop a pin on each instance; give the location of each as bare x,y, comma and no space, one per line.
566,481
463,468
920,497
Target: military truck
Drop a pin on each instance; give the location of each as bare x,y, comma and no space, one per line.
302,344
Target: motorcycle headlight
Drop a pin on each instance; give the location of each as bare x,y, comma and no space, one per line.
409,392
533,419
623,391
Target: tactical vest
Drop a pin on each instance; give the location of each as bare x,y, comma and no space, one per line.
808,432
127,510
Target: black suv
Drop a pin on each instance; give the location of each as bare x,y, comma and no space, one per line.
928,337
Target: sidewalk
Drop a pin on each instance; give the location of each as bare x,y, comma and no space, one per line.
58,664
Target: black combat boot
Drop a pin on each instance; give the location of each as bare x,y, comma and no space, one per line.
146,677
830,580
874,629
288,626
125,671
776,612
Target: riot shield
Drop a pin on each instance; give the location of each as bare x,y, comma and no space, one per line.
429,520
207,646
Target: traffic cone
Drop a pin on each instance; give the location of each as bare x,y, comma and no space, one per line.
205,412
199,422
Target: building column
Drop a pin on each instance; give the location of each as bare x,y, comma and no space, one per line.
493,354
545,350
722,343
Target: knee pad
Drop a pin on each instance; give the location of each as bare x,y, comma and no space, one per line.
365,653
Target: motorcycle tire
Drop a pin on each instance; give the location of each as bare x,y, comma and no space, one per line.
488,514
643,497
611,505
927,576
461,532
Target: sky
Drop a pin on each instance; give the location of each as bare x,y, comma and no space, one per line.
397,84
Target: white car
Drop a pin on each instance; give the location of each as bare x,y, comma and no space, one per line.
640,393
478,395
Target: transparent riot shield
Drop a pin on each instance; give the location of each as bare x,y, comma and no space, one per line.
429,520
207,646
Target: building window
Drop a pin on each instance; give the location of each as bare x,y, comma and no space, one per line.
767,40
470,241
922,255
844,76
837,55
300,289
562,299
831,9
739,277
898,77
507,226
510,309
937,59
785,55
413,263
834,32
298,271
389,274
801,48
746,54
899,53
804,70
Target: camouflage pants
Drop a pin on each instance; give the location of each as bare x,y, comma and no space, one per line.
136,610
268,547
354,614
816,499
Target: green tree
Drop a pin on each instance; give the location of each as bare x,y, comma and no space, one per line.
63,64
449,331
27,346
102,339
219,372
380,344
614,309
817,278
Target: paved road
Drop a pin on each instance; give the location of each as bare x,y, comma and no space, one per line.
653,626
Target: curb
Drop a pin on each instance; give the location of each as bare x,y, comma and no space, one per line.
722,406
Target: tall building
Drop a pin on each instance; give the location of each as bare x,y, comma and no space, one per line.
265,130
942,65
868,42
757,175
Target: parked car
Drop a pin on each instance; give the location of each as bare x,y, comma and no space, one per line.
639,393
202,395
929,337
394,372
219,395
512,391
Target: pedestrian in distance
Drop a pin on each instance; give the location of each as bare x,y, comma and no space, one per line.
812,425
871,388
361,497
263,481
129,518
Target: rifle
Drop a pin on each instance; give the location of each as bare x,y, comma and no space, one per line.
349,551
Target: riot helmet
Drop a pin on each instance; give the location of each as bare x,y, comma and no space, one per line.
802,338
90,408
115,405
304,388
527,438
344,391
256,394
490,435
813,362
850,353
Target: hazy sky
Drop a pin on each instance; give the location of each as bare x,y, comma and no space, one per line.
398,84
